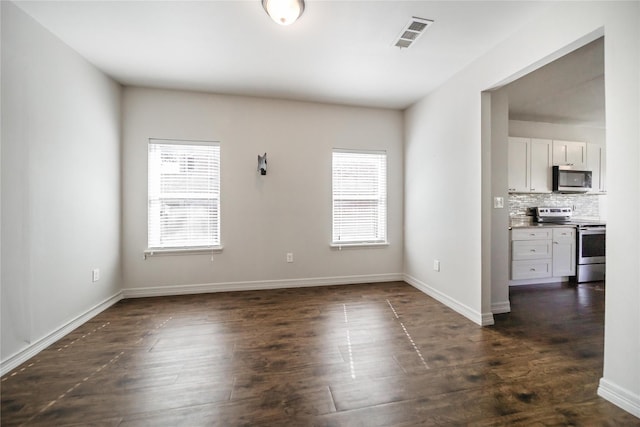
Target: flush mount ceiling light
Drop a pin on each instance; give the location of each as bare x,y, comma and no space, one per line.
284,12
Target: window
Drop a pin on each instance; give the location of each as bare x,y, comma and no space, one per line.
359,197
184,194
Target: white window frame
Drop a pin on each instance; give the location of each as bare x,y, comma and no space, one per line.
381,199
156,245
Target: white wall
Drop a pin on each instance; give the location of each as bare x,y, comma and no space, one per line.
443,179
263,217
496,173
590,135
621,377
60,184
442,196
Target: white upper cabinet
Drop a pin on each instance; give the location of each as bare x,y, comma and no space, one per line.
529,167
596,163
518,169
541,158
570,153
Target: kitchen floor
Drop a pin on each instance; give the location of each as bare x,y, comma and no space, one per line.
358,355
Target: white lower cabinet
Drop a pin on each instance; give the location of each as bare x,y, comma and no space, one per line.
530,249
540,253
564,252
531,269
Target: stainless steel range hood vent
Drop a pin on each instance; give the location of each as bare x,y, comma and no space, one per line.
412,32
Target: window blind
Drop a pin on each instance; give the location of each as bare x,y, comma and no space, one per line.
359,197
184,194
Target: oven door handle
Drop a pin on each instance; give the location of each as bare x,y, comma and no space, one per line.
592,229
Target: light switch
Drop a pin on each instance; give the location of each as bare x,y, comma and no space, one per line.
498,202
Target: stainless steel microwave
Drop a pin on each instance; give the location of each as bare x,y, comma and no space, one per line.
571,180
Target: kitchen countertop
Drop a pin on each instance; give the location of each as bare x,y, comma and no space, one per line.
531,224
528,222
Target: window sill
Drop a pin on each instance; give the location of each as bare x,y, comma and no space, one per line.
181,251
364,245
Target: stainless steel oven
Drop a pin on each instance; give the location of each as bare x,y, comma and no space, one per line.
591,253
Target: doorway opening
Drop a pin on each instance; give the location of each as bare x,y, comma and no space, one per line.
529,122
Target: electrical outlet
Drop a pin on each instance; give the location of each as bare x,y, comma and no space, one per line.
498,202
436,265
95,275
289,257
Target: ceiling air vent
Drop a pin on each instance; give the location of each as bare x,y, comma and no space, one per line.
412,31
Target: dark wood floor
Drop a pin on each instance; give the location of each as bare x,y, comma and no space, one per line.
360,355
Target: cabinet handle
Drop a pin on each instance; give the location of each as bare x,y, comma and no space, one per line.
532,269
555,243
532,250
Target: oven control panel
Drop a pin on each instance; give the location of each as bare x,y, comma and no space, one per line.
544,213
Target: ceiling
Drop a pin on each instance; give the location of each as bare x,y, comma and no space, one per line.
338,52
567,91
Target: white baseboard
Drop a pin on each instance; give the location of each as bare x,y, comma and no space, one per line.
36,347
257,285
563,279
487,319
483,319
619,396
501,307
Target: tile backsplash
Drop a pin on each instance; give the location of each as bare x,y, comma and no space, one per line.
587,206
